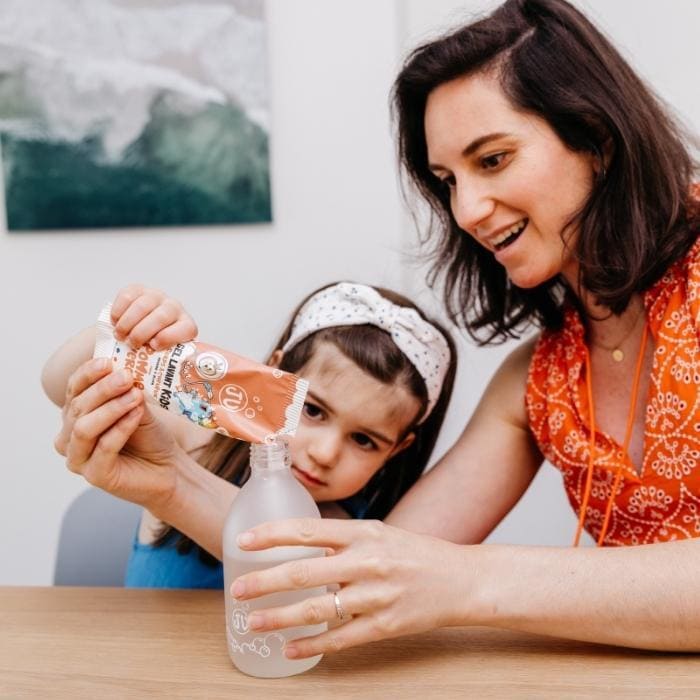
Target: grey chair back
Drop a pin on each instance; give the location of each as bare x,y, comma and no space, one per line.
95,541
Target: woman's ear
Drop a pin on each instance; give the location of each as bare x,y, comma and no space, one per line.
275,359
602,157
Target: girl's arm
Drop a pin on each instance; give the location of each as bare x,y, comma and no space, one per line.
64,361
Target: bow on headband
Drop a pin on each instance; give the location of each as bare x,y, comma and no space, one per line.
348,304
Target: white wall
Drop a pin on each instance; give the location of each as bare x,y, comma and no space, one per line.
337,214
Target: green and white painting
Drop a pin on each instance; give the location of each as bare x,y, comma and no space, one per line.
117,113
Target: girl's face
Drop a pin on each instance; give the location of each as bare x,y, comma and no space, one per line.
351,425
513,183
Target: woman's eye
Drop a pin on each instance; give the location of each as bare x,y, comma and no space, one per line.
447,182
311,410
493,161
364,441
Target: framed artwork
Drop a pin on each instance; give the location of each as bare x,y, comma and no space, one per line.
119,113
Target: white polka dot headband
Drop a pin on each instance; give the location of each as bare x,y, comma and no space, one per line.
348,304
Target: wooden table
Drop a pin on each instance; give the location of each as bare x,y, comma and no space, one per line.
103,643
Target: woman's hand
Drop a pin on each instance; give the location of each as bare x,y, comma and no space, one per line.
110,436
143,316
392,582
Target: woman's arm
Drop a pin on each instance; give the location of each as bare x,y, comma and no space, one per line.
643,597
485,473
395,582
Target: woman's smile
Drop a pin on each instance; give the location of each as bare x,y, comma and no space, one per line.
509,236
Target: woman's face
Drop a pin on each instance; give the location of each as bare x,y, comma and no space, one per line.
513,183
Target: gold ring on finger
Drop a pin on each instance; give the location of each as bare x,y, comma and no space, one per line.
340,613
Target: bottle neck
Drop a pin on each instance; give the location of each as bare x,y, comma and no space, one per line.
270,457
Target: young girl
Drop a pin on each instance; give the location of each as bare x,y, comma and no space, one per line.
380,378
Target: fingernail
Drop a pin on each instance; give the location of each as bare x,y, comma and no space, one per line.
245,538
238,589
130,397
255,622
291,652
121,378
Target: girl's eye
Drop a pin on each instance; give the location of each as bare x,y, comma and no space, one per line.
493,161
364,441
311,410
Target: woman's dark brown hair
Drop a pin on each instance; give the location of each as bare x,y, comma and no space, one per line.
372,350
639,218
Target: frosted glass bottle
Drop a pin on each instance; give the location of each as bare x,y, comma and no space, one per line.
271,493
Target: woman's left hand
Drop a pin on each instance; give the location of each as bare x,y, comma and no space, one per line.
392,582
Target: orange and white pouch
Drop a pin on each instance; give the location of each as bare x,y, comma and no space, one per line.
211,387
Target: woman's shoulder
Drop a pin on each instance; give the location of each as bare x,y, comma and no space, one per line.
504,396
517,363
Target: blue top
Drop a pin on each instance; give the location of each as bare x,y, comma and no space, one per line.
165,567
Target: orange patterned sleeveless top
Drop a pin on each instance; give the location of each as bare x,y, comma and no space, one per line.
662,502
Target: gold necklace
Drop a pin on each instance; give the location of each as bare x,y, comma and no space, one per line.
616,350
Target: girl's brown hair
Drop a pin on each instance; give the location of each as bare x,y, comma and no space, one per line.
372,350
639,218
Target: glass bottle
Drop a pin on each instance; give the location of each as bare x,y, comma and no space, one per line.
271,493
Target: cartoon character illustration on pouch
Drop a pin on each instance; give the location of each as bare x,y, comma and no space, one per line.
197,409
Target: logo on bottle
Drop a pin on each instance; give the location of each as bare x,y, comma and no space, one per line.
263,646
239,621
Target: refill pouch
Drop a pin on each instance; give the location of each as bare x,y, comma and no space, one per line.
213,388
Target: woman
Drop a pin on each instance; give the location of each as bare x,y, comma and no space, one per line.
563,195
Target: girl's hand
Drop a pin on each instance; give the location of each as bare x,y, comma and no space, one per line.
392,582
144,316
110,436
